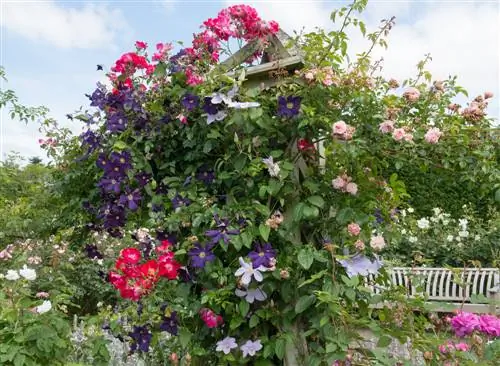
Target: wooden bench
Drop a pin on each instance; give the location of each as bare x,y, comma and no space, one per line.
447,290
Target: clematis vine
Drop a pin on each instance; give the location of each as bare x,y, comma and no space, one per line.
247,272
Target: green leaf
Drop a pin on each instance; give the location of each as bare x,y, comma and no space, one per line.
264,231
316,201
314,278
304,302
331,347
184,337
279,348
384,341
244,307
254,321
298,211
119,145
306,258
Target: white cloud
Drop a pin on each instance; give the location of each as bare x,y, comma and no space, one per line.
90,26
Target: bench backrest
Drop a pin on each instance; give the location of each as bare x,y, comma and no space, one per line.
442,284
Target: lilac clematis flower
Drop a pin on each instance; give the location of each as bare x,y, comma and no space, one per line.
226,345
361,265
251,295
221,232
246,271
200,255
131,199
288,106
251,348
262,255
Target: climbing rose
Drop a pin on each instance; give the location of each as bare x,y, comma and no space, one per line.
339,128
398,134
433,134
377,242
411,95
464,323
353,229
386,126
351,188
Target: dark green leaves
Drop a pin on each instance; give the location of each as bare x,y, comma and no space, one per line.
304,302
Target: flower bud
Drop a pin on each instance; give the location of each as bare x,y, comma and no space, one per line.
428,355
284,274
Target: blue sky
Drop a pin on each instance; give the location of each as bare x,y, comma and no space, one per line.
50,48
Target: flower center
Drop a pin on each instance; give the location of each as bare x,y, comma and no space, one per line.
202,255
261,254
130,197
289,105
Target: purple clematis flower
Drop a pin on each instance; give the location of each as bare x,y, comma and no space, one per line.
214,111
200,255
221,232
113,215
116,122
93,252
205,175
131,199
170,323
288,106
178,201
190,101
141,337
91,140
110,185
262,255
142,178
361,265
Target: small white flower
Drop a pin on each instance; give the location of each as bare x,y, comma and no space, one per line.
403,231
450,238
411,210
446,222
477,237
28,273
246,271
272,167
434,219
463,234
46,306
457,238
423,223
12,275
243,105
403,213
412,239
436,211
463,223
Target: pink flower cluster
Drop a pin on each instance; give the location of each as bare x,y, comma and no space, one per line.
400,134
343,130
344,183
353,229
466,323
210,319
50,142
324,75
238,21
451,347
476,109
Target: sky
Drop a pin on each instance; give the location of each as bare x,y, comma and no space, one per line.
50,48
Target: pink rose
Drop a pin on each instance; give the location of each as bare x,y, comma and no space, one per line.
351,188
386,126
309,76
353,229
398,134
432,135
359,245
339,183
339,128
408,137
411,95
488,95
42,295
464,347
377,242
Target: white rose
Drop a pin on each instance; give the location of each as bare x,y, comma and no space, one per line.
412,239
477,237
463,234
28,273
450,238
423,223
411,210
12,275
403,231
46,306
